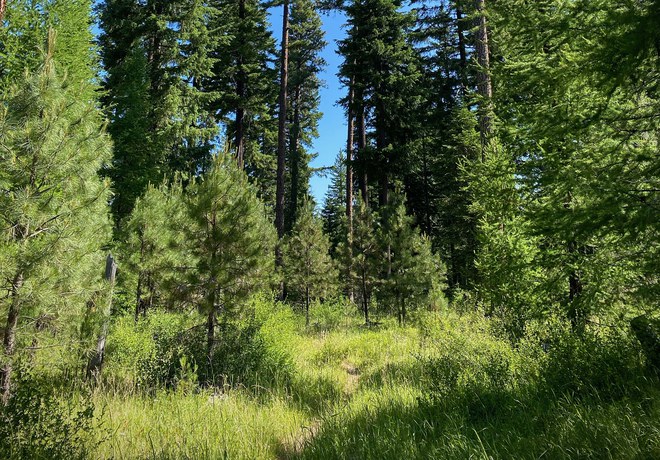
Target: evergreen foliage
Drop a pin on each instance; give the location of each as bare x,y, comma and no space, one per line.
52,205
155,250
155,56
244,81
231,242
367,257
309,272
415,276
305,45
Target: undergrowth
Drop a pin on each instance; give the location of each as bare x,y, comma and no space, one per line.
444,386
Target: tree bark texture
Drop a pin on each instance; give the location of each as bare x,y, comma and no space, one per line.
9,341
295,160
362,144
240,92
485,85
349,188
96,362
281,130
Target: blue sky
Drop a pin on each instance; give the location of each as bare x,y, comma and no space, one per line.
332,127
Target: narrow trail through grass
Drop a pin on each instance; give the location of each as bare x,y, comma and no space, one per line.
452,391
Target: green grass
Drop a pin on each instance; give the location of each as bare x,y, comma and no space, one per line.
443,388
198,426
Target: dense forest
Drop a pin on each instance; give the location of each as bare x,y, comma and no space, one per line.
482,279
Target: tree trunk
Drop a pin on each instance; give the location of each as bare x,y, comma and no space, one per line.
427,199
306,306
240,92
460,28
3,7
210,336
96,362
575,312
485,85
381,146
138,297
365,299
295,160
362,144
281,130
9,342
349,190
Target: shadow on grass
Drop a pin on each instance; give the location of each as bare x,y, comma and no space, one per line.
494,425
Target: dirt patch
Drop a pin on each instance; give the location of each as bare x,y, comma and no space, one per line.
293,446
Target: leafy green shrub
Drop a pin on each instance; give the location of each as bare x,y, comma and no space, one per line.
331,314
38,424
602,360
254,349
147,353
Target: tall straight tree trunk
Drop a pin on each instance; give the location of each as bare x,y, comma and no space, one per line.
210,335
281,130
365,298
349,189
3,7
485,85
295,160
240,92
460,30
575,312
349,160
9,342
361,145
306,306
381,145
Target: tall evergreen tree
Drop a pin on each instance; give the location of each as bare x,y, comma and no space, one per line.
333,212
305,63
379,57
155,56
53,205
243,78
583,137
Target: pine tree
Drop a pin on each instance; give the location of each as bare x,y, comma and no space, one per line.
309,270
232,243
282,130
155,250
333,212
367,256
155,56
415,276
24,37
243,80
583,140
385,72
53,208
507,280
305,45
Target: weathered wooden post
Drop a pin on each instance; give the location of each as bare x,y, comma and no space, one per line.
96,361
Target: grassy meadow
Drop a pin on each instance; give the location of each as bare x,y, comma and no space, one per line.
443,386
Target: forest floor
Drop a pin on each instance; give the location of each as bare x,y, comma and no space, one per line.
361,393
